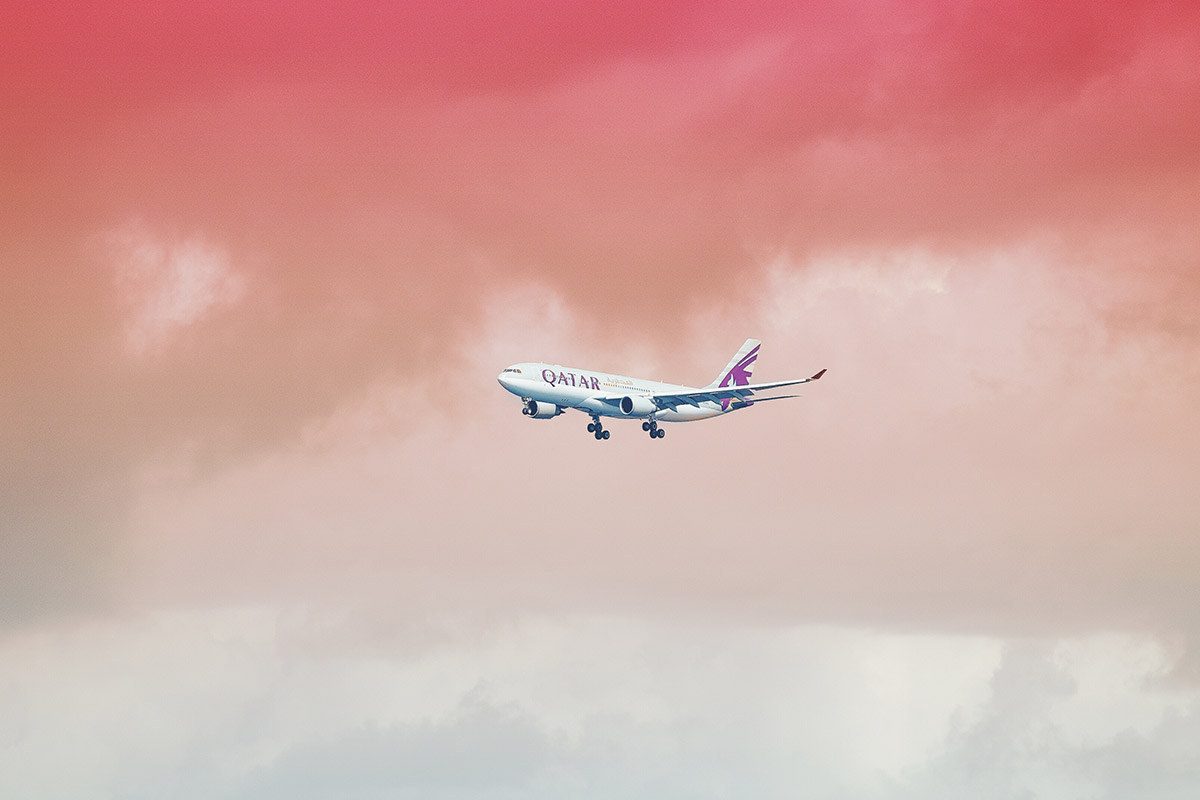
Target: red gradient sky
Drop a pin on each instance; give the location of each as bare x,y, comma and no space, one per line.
260,263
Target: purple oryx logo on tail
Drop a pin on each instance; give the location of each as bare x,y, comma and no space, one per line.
738,374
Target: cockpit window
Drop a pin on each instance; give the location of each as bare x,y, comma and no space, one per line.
513,369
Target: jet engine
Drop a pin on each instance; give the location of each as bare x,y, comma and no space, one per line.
637,406
541,410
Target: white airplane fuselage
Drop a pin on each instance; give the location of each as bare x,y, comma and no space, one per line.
570,387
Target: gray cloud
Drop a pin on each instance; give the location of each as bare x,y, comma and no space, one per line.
483,751
1015,750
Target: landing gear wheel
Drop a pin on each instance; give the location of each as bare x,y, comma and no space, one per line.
604,434
591,427
645,426
599,435
660,433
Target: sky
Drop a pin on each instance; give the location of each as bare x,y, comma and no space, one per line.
269,528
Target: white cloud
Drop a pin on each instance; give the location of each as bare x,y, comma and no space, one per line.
217,704
1032,741
168,283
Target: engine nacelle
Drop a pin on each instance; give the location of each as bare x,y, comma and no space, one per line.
637,406
540,410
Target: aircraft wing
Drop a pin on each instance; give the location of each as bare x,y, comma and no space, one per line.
716,395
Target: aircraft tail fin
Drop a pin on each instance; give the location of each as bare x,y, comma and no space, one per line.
739,369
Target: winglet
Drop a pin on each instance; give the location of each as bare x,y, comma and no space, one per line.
818,375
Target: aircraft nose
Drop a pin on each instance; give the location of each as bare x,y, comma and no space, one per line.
504,380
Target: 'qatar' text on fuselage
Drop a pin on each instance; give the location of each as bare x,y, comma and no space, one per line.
569,379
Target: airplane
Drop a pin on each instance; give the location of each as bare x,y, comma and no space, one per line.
548,390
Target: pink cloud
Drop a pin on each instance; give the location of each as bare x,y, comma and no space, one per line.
382,180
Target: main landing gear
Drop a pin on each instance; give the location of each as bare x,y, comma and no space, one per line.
655,431
596,429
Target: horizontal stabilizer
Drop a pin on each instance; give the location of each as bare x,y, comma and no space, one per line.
777,397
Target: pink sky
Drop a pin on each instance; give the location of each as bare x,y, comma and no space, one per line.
259,267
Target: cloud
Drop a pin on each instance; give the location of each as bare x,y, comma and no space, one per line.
168,286
215,703
481,749
396,170
1023,743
